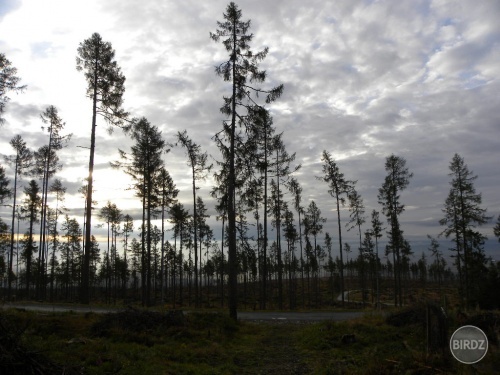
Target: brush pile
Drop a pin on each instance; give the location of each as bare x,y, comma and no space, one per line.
15,358
139,321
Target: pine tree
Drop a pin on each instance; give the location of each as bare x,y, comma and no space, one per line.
205,232
339,187
9,81
21,161
296,191
56,142
315,226
496,229
168,193
105,87
438,262
144,165
5,193
397,179
112,216
462,215
53,217
330,267
71,248
30,211
197,161
377,233
128,228
241,70
179,217
357,219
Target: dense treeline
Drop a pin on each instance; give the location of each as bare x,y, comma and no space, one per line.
272,250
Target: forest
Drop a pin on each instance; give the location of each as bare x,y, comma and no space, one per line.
272,253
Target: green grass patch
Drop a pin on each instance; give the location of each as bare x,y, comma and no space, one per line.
145,342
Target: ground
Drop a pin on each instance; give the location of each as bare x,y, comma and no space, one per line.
145,342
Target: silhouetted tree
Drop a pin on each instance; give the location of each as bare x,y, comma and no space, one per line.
179,217
204,230
53,217
71,248
21,161
112,216
197,161
462,214
296,191
9,81
339,187
46,168
241,70
377,233
30,211
128,228
5,193
105,87
357,219
144,165
496,229
397,179
168,194
315,226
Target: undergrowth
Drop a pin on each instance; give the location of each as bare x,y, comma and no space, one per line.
136,341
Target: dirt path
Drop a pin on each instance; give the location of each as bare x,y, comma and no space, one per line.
282,316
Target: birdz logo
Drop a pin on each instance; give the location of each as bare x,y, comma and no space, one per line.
469,344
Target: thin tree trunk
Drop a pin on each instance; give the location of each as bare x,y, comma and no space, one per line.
233,282
85,295
11,252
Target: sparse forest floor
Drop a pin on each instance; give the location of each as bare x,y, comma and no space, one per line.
146,342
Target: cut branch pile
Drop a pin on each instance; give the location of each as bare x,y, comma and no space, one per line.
413,315
15,358
138,321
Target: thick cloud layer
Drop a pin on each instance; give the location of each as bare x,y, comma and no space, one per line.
363,79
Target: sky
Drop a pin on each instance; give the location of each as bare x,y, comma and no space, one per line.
362,79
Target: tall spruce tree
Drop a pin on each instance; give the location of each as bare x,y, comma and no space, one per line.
463,213
241,70
397,179
105,88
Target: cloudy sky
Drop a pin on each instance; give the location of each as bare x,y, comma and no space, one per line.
363,79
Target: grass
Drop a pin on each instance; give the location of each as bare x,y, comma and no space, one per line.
146,342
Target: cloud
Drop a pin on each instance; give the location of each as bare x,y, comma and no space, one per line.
363,79
8,6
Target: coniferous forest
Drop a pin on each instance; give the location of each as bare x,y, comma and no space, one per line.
272,250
